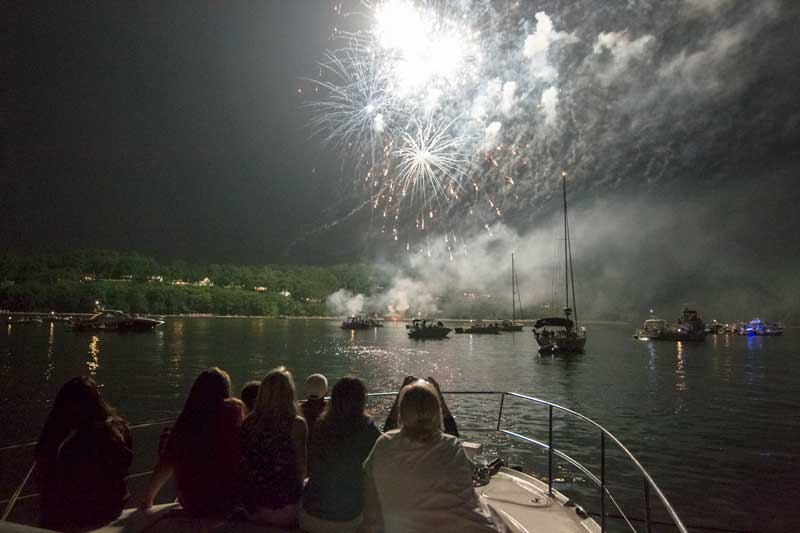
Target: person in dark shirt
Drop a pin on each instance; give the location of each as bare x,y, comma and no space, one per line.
202,449
82,458
273,456
316,388
249,396
450,426
344,435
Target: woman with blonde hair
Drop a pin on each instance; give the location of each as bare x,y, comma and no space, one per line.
274,453
417,477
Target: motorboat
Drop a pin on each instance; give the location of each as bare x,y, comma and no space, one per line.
524,496
715,328
762,328
689,327
22,321
510,325
513,325
354,322
561,335
480,328
652,328
113,320
427,329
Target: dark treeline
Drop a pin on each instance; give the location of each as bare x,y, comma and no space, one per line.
74,281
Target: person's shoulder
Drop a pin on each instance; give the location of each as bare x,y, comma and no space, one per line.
231,410
299,423
233,404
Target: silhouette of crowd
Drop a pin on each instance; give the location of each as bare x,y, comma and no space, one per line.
320,465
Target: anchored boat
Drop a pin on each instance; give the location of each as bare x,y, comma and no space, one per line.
354,322
427,329
480,328
561,335
513,325
110,319
763,328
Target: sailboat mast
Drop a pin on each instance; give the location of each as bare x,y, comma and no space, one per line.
572,279
566,239
513,290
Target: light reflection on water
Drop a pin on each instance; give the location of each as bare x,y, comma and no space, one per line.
688,411
94,355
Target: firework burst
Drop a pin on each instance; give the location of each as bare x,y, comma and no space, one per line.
420,100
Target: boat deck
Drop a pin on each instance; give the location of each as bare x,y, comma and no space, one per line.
519,500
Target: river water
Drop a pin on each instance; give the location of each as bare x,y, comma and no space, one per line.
716,424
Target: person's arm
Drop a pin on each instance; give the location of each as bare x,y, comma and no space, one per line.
299,436
392,421
448,420
163,470
158,478
372,514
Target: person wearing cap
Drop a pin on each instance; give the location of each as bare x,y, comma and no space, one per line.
316,388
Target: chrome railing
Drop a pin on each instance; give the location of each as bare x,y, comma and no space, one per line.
649,486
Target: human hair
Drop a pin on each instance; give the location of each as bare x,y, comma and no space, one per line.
249,394
420,412
276,397
193,428
347,403
78,405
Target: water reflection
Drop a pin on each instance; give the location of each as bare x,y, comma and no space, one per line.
94,352
755,343
51,352
680,374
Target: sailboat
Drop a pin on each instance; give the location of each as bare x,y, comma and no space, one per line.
512,325
561,335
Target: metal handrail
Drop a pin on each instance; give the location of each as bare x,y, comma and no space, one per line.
600,481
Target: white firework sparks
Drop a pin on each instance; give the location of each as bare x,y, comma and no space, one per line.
424,99
431,162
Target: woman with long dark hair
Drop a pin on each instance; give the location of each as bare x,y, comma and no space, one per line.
274,453
202,449
342,439
82,458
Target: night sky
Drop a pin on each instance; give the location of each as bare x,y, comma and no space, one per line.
177,130
171,129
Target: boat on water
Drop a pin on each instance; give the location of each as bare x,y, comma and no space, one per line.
652,328
561,335
22,321
513,325
715,328
522,500
422,328
355,322
688,328
481,328
763,328
113,320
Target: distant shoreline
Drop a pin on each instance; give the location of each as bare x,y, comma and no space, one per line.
45,315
